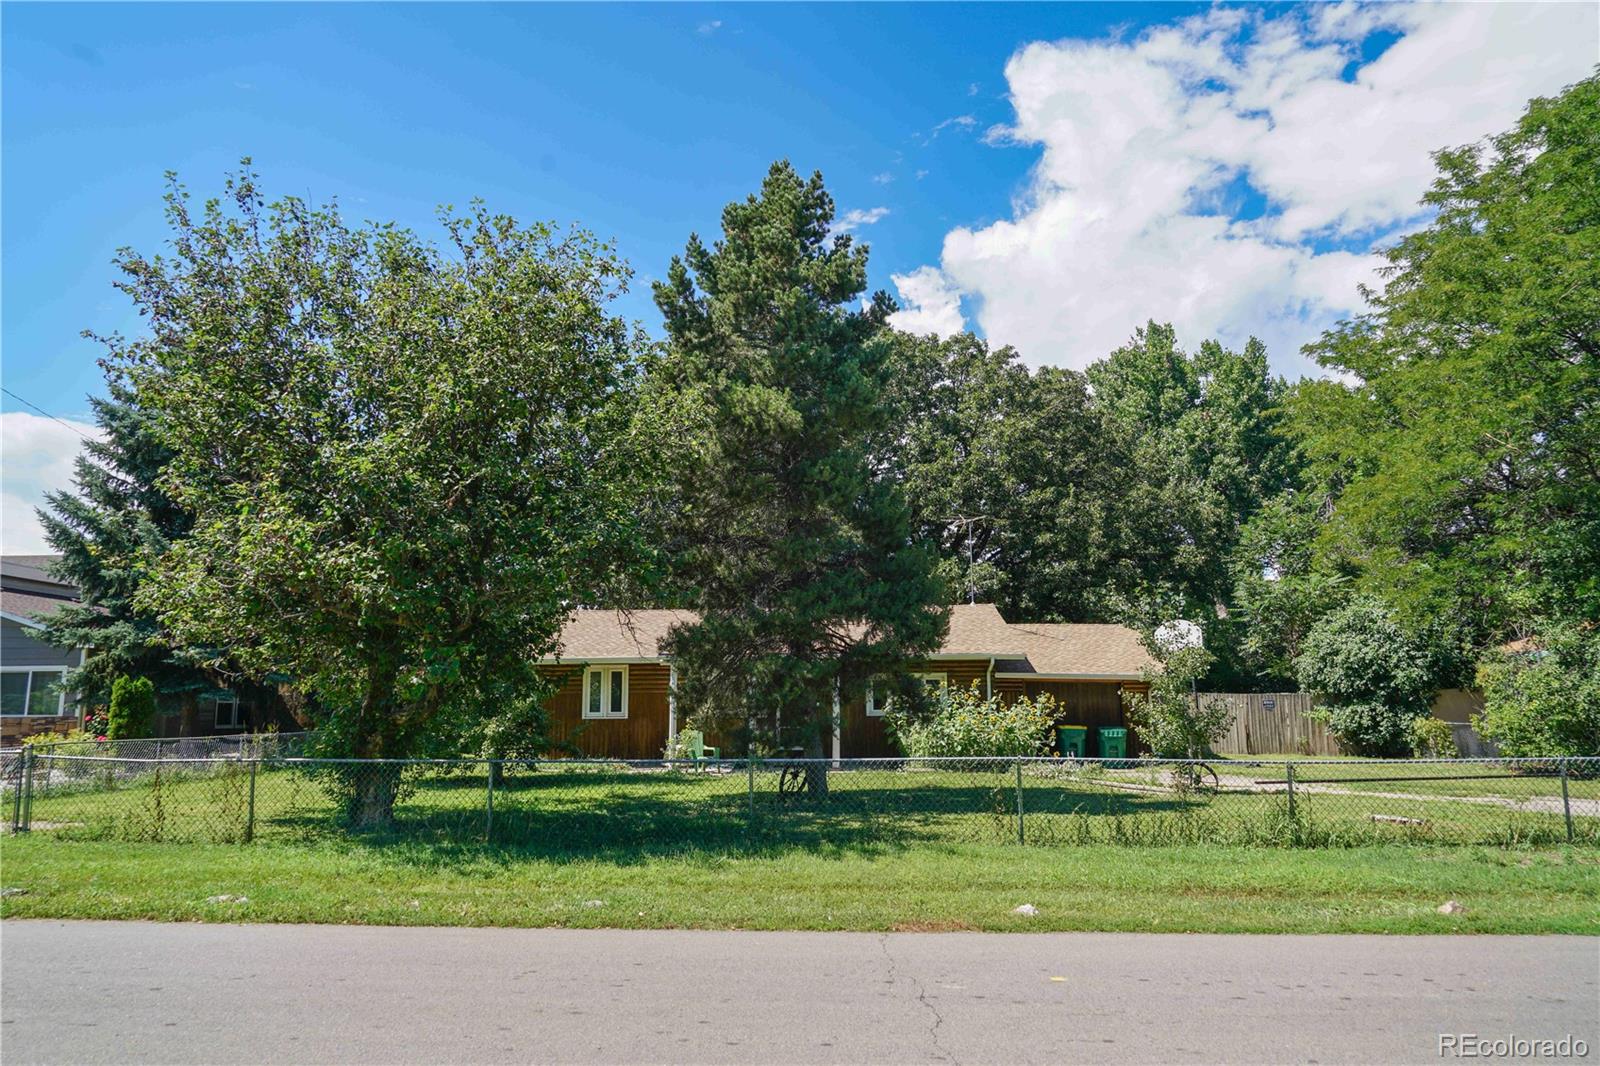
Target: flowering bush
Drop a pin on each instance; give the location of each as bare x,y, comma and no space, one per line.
965,724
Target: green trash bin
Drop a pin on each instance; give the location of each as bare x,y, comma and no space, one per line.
1113,744
1072,740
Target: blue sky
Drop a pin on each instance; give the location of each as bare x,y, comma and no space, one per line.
1050,176
638,122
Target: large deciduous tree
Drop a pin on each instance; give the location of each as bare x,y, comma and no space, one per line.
1005,474
796,550
1466,432
405,465
1199,448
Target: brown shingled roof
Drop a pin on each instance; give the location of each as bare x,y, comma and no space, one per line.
1111,652
607,634
976,631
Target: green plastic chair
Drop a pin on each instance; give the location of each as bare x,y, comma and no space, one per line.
694,744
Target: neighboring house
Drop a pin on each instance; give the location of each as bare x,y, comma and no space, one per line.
32,698
616,700
31,670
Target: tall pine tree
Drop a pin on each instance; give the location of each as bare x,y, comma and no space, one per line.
797,552
107,532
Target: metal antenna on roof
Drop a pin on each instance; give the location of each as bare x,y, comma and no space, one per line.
966,521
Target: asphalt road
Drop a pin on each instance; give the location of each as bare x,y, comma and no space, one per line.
89,992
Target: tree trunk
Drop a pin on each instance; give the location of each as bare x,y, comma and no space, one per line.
375,785
189,715
372,795
817,772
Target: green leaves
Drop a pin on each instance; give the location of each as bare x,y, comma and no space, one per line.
1467,447
793,545
1372,676
405,464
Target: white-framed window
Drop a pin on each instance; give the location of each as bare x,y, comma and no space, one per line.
228,713
878,690
32,691
605,692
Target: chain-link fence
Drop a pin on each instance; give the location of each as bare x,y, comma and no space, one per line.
584,805
227,746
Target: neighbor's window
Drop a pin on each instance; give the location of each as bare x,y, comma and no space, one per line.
228,713
35,692
879,692
605,692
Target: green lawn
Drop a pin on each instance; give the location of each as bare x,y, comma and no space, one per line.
1201,888
575,810
1495,780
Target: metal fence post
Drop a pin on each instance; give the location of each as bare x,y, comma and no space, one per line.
488,804
250,809
1288,768
16,792
27,792
1566,800
1022,835
750,777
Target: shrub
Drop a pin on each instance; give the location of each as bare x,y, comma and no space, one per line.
1432,738
94,722
133,708
76,736
1371,677
1167,718
965,724
1544,702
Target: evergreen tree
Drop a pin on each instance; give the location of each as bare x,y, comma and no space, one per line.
133,709
107,531
797,550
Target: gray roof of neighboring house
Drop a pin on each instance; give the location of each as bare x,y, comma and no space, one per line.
27,605
1107,652
29,590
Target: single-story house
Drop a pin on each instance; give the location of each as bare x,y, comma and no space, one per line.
617,694
32,697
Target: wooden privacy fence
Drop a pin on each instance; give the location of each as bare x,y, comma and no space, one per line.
1273,723
1278,723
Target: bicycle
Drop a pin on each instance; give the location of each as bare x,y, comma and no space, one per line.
792,780
1196,777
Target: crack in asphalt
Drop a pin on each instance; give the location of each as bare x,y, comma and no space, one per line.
939,1049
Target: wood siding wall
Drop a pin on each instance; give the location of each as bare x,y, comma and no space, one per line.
1095,704
641,735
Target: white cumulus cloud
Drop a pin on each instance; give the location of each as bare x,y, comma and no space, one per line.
855,218
36,457
928,303
1226,173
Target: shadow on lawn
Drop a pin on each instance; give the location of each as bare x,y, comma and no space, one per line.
625,818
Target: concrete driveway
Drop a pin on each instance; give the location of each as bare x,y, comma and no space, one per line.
90,992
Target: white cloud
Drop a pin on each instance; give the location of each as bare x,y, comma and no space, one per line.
855,218
706,29
882,179
36,457
960,122
929,303
1149,147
